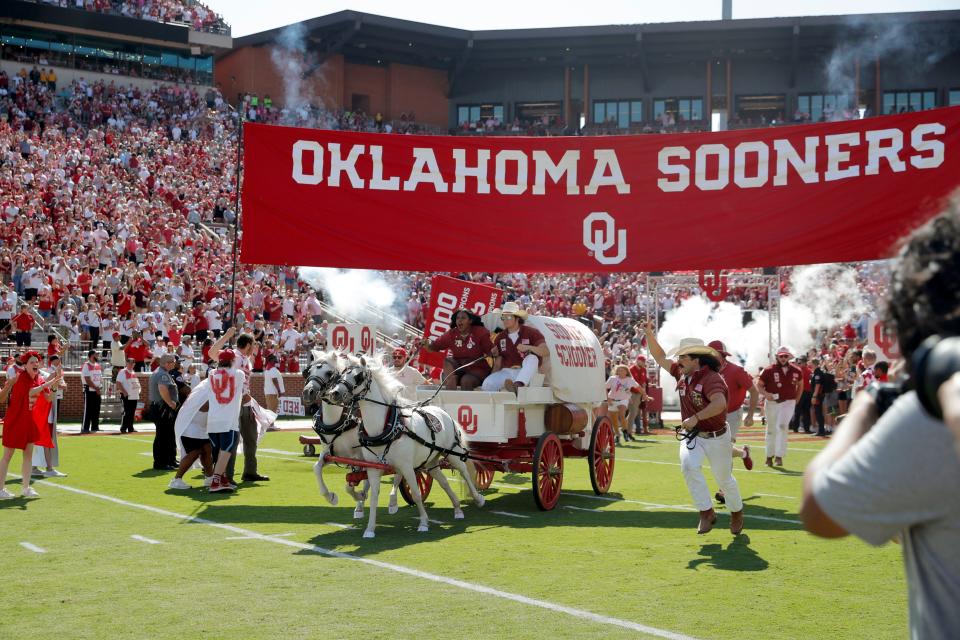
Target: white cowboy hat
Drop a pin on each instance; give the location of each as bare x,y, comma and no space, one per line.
512,308
693,347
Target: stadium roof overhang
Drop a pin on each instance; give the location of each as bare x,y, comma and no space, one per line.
374,39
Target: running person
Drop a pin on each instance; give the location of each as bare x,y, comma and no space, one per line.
703,408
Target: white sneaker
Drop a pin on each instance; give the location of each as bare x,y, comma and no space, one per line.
36,471
5,495
53,473
178,483
207,480
30,492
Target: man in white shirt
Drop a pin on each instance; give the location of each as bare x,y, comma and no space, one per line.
272,384
246,350
406,374
92,387
290,338
128,388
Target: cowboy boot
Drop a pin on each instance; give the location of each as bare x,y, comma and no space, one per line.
736,522
707,520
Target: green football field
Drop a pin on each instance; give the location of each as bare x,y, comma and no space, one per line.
110,552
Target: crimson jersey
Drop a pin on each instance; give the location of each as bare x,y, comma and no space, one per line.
782,381
507,348
695,391
464,347
738,384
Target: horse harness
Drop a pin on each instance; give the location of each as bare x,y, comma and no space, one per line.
396,424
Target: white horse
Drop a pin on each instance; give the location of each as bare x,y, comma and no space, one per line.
341,438
378,394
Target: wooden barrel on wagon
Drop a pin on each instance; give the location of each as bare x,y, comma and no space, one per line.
565,418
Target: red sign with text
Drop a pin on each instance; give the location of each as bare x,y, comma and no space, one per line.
805,194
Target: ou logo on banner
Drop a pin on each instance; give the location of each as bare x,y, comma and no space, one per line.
598,240
467,419
341,339
366,340
885,342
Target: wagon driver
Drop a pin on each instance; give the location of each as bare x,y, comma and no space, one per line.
519,350
703,407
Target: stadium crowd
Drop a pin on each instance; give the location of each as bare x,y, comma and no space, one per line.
116,208
194,14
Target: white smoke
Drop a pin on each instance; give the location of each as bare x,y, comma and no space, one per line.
352,292
821,298
288,56
890,40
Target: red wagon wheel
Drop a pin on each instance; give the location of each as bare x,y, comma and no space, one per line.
547,471
602,455
482,476
424,482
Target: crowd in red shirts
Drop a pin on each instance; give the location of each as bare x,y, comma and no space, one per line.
116,202
196,15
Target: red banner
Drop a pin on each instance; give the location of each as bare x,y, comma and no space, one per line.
446,296
830,192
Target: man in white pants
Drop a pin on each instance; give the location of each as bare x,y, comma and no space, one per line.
703,407
519,349
780,384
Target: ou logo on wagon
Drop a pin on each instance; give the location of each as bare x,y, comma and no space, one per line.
468,421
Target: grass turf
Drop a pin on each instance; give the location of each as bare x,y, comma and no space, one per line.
633,555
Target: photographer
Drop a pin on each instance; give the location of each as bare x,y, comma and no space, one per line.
894,473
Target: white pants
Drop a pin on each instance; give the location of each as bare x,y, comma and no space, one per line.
720,453
494,381
778,421
734,420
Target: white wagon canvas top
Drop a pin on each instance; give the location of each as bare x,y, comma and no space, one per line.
574,370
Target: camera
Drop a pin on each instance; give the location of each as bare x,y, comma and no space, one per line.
933,363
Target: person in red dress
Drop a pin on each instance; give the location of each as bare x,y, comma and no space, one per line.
25,424
466,341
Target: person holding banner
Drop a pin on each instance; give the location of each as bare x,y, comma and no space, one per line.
467,344
519,350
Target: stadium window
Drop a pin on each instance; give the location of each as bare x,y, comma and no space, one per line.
682,109
820,106
759,109
621,113
953,98
473,113
902,101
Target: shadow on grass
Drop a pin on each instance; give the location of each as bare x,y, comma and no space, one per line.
737,556
399,530
150,472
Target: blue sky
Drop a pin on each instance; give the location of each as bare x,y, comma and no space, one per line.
252,16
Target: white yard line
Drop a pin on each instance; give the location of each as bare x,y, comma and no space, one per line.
147,540
652,505
580,614
572,508
340,525
677,464
774,495
754,444
430,520
508,514
268,535
282,452
32,547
